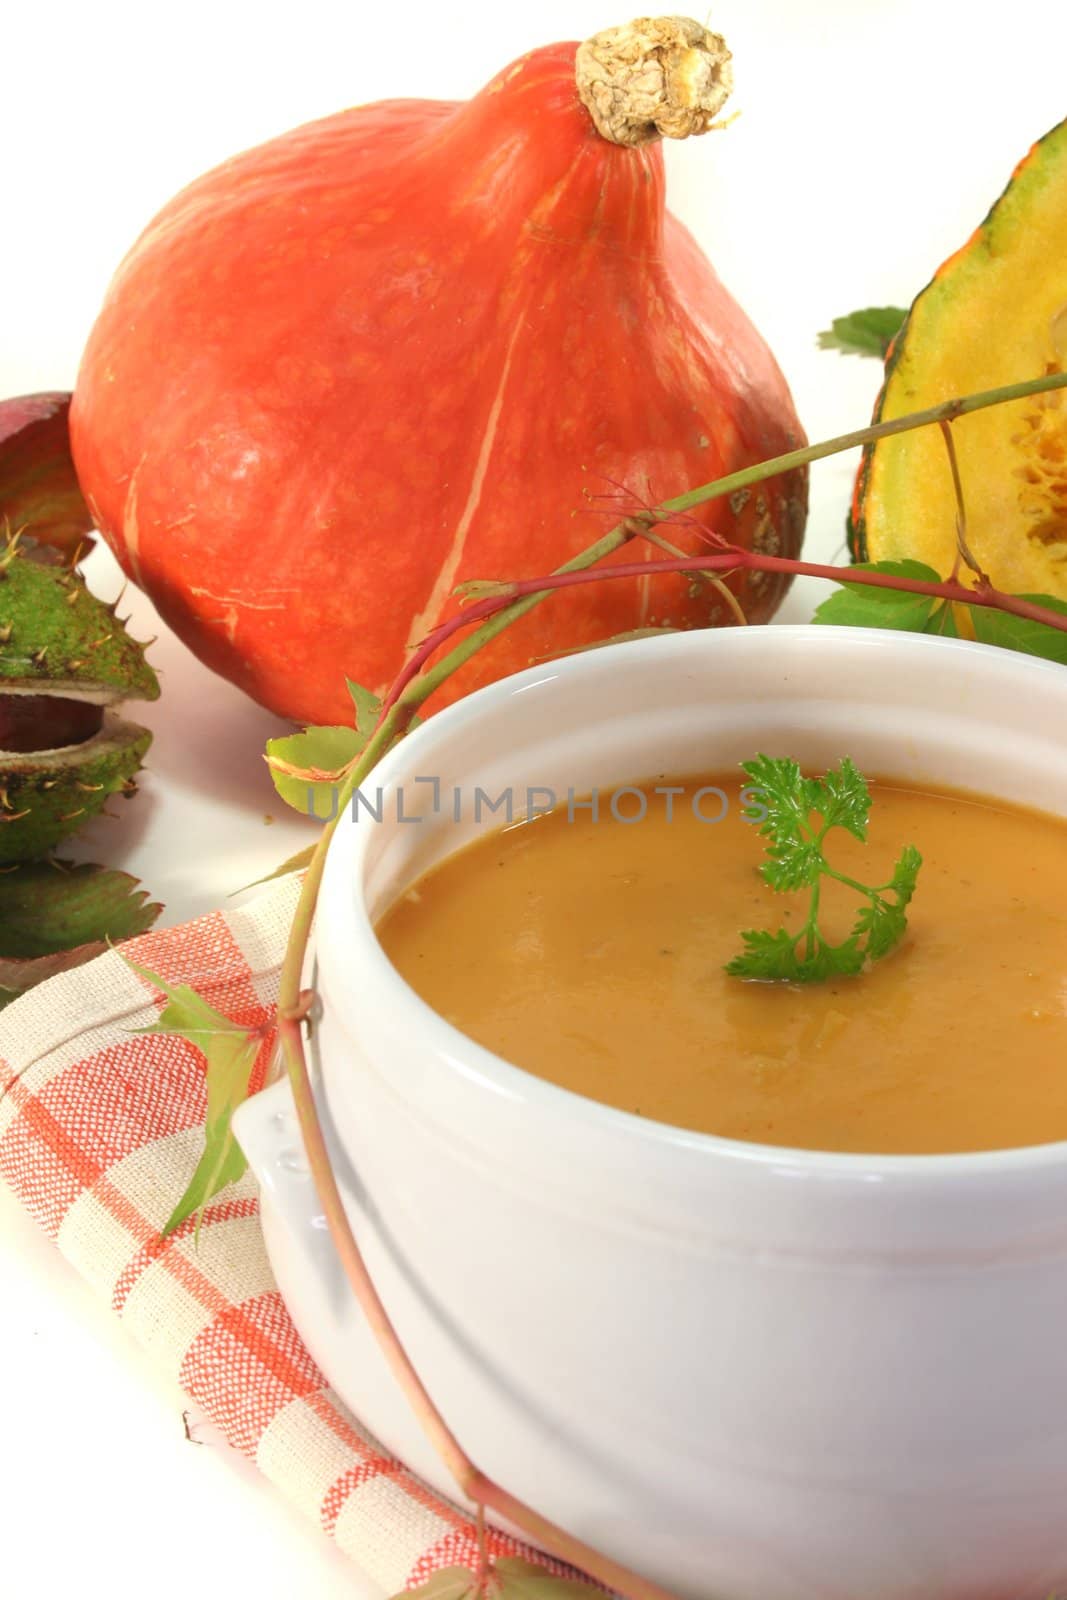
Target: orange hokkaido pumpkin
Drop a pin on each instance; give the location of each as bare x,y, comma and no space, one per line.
417,343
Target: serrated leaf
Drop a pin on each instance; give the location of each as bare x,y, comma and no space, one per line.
39,491
315,749
451,1583
230,1052
522,1580
368,708
511,1579
773,957
881,925
55,916
787,795
844,800
1020,633
768,955
49,907
792,864
942,621
297,863
906,873
796,859
867,606
864,333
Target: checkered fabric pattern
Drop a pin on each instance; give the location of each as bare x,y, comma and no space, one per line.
99,1133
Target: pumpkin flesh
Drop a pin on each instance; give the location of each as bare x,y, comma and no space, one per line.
995,313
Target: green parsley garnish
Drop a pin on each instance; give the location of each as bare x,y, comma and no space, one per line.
796,814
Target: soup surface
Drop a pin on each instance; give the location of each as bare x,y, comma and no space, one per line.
592,952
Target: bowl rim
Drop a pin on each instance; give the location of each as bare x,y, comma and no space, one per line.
456,1052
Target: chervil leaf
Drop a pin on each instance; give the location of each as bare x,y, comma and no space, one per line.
766,956
792,864
883,922
788,798
906,873
800,814
230,1052
882,925
1020,633
789,795
857,605
843,800
316,749
864,333
777,958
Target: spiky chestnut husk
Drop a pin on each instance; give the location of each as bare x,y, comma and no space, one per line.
47,795
65,653
58,639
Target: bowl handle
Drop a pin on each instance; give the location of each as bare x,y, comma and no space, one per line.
268,1132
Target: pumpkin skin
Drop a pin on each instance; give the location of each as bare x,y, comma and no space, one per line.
409,345
994,313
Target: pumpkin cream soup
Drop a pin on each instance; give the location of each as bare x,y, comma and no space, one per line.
592,954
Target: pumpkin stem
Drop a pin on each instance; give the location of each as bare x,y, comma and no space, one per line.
658,77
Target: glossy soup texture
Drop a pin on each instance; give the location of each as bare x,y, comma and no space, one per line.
592,954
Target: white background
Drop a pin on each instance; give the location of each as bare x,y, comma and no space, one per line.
874,135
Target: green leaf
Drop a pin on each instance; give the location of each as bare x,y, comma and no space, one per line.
368,708
325,749
883,923
867,606
775,958
1020,633
767,956
50,907
521,1580
55,916
844,800
297,863
864,333
511,1579
796,859
906,873
230,1052
792,863
451,1583
943,621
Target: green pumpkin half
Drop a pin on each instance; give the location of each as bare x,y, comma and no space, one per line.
995,313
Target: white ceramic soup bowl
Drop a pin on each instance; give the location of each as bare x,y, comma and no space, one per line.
748,1372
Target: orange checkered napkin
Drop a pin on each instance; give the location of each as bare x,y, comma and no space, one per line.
99,1133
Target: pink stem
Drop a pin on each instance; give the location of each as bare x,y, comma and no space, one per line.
726,560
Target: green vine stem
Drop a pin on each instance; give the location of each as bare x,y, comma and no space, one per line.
414,685
946,412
